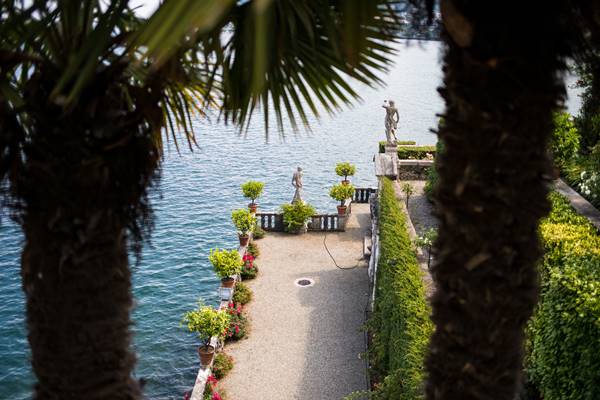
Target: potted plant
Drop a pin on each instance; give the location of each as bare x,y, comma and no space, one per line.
252,190
345,169
227,264
245,222
341,193
296,215
207,322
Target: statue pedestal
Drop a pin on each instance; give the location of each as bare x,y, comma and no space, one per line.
391,149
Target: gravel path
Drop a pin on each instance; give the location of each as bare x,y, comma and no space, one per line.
304,342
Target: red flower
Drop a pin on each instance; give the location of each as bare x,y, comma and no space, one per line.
211,380
216,396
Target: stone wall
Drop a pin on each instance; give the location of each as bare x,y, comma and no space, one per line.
413,170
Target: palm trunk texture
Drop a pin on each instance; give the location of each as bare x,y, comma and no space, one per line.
81,191
501,84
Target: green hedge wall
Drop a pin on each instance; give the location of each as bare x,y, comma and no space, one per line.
415,152
400,324
563,359
400,143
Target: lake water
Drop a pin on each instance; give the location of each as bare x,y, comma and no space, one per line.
198,192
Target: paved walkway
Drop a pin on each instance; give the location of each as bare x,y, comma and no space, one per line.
304,343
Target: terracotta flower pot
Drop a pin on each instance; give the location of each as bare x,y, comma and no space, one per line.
345,182
228,282
206,354
341,210
244,240
252,207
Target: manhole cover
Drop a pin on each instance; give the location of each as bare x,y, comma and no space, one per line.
304,282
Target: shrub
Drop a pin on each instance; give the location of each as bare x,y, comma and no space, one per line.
206,322
583,174
341,192
258,233
252,190
244,221
238,323
242,293
222,364
250,269
296,215
432,173
565,139
253,250
426,241
225,262
400,143
345,169
400,324
416,152
563,359
408,191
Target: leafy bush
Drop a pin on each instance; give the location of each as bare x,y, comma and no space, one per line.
296,215
225,262
341,192
345,169
563,358
206,322
252,190
258,233
250,269
238,323
408,191
400,324
432,174
400,143
222,364
253,250
583,174
242,293
244,221
565,139
416,152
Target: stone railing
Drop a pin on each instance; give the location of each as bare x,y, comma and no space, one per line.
362,195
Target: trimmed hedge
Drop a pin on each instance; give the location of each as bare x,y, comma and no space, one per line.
432,174
415,152
400,143
563,360
400,324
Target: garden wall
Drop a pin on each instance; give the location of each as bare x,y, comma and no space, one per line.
563,354
400,326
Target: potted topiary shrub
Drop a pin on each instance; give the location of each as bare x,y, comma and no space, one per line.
296,215
345,169
227,264
207,322
245,222
252,190
341,193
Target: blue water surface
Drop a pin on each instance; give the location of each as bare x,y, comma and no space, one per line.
193,205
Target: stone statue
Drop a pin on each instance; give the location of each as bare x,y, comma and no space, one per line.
391,123
297,183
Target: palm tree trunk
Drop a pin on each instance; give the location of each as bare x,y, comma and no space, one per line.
82,202
77,283
501,84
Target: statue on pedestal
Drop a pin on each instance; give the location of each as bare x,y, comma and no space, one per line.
297,183
391,121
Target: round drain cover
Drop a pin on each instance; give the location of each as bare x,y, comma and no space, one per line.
304,282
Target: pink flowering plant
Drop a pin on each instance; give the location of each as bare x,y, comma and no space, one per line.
238,322
249,269
210,390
